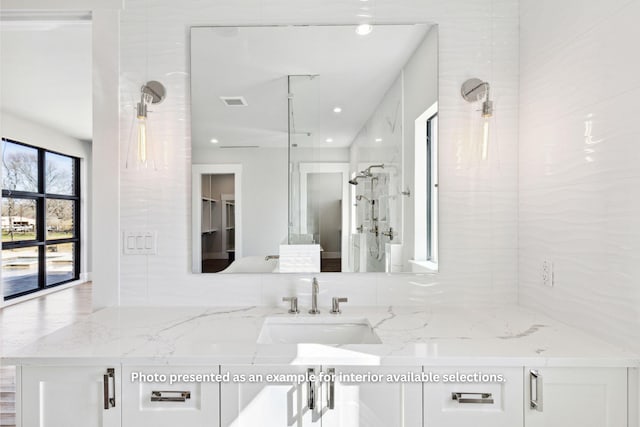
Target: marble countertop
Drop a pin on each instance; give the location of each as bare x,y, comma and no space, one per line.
430,336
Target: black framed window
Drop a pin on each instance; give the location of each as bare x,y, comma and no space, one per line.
40,218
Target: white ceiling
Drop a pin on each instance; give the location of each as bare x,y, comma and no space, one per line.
354,73
45,74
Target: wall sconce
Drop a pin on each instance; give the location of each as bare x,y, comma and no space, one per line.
474,90
152,92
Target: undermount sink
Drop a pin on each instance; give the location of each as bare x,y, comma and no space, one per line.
323,330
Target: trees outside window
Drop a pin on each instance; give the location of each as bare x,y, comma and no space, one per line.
40,218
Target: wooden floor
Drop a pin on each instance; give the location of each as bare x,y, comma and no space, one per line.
25,322
214,265
7,396
330,265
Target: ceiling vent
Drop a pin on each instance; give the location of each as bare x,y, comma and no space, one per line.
234,101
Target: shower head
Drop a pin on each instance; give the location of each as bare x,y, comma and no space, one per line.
354,181
367,171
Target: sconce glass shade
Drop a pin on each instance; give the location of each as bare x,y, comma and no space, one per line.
485,138
476,90
152,92
142,140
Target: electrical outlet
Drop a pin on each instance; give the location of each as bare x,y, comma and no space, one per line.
547,273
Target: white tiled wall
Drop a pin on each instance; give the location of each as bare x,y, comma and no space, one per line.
579,156
477,39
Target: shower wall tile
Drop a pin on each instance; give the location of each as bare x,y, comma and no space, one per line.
478,220
594,143
223,290
579,179
586,67
563,23
477,39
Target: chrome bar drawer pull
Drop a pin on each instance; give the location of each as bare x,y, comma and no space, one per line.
107,380
170,396
535,390
478,397
331,392
311,389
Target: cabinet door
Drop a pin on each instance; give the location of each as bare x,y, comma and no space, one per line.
368,397
167,402
560,397
254,401
465,397
54,396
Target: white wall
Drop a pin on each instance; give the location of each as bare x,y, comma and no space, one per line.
579,156
477,39
28,132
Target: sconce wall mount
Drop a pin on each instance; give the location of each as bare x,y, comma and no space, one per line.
474,90
152,92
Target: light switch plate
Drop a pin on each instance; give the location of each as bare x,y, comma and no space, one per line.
140,242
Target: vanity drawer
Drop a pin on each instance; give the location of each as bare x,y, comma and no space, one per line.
160,404
463,401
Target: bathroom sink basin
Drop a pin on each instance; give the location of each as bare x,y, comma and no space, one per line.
298,330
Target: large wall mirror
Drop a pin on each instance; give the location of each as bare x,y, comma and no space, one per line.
314,148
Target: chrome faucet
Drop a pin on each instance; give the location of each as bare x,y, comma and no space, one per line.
315,289
293,307
335,305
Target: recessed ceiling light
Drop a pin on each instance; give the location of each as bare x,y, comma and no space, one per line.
337,110
364,29
214,141
329,140
378,139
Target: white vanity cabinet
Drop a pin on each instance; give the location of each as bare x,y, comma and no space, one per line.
253,401
372,396
585,397
458,400
169,401
340,396
324,402
70,396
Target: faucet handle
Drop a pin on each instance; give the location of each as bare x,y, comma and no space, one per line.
335,305
293,309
